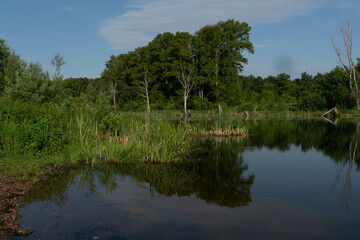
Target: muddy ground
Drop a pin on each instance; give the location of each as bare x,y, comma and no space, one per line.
12,192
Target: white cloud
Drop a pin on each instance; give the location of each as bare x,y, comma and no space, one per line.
141,23
68,9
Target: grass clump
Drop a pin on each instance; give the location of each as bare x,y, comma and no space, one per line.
161,142
157,141
218,127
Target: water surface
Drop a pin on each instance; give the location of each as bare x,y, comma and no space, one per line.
290,179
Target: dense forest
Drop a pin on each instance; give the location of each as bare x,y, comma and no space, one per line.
200,71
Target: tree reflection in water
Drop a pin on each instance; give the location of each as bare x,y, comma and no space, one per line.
218,176
218,173
346,168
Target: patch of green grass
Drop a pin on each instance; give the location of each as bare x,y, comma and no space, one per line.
218,126
161,142
27,167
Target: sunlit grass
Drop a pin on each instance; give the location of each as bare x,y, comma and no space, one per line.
219,127
28,167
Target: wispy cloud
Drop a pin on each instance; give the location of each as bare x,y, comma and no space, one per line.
68,9
141,23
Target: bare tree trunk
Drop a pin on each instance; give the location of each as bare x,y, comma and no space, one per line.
147,91
114,92
346,56
185,73
185,103
148,102
144,89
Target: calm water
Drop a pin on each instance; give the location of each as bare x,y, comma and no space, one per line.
293,179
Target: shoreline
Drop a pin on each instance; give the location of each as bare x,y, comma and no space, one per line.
12,192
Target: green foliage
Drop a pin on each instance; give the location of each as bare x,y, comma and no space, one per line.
171,65
29,167
58,61
125,138
28,84
217,126
311,101
31,129
161,142
4,56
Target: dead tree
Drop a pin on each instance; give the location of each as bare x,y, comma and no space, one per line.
144,88
185,74
347,62
186,79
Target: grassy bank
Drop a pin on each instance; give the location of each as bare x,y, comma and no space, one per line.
35,137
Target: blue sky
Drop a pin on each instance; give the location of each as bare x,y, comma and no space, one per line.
290,36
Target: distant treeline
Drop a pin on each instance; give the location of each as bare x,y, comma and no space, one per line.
176,71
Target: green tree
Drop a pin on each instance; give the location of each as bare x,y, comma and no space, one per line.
10,65
29,84
58,61
184,64
219,50
143,74
4,55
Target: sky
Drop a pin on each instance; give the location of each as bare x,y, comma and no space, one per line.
289,36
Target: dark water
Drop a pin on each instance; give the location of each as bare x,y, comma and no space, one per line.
290,179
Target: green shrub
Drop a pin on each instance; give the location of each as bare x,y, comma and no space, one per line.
31,128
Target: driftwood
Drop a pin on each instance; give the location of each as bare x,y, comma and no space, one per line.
336,112
332,122
255,109
334,109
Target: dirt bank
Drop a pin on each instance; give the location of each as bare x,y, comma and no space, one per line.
12,192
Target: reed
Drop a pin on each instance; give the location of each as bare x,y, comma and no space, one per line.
218,127
157,141
161,142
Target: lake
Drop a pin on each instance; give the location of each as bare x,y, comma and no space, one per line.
289,179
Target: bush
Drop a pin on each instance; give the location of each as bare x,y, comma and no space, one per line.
31,129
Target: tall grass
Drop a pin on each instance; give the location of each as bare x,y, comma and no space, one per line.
161,141
102,135
218,126
157,141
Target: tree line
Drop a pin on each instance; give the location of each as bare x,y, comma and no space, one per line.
200,71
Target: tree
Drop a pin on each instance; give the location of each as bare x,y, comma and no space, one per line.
113,73
4,54
346,60
184,64
58,61
55,88
29,84
219,50
10,64
142,80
